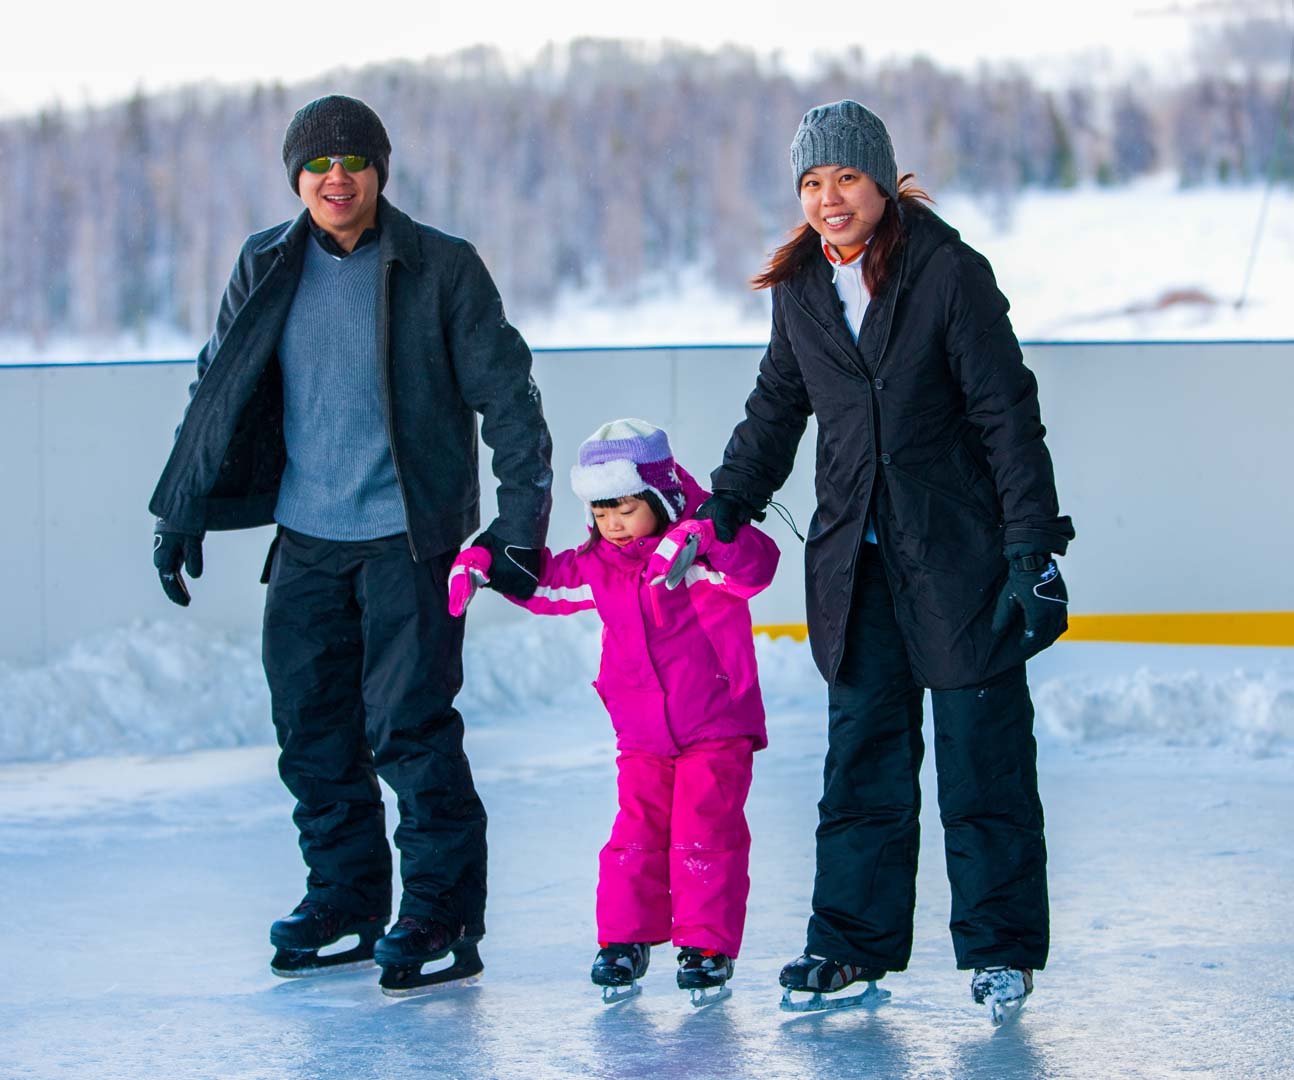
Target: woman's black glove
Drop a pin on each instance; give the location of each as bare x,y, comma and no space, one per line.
729,512
1034,585
514,570
171,551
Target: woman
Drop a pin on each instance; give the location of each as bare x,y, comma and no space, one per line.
928,564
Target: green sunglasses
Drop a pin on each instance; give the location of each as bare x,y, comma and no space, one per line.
349,162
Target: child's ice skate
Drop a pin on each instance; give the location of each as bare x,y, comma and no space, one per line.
1003,990
704,973
617,970
818,976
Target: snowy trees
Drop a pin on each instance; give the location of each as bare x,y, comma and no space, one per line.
604,157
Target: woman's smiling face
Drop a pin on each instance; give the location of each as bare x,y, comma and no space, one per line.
843,204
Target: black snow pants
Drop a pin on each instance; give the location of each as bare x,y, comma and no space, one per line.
864,892
363,662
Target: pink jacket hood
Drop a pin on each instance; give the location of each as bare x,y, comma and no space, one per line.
677,666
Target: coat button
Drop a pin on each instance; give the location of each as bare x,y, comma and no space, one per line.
885,459
879,384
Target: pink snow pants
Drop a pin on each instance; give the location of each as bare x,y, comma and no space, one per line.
675,868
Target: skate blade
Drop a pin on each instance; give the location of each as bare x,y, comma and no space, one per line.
422,989
1003,1012
307,963
611,995
870,998
313,970
411,981
709,995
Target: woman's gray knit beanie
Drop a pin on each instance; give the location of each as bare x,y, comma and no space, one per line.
845,133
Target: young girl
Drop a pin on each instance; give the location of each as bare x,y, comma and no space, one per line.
678,678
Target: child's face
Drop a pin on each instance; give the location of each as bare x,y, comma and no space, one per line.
630,519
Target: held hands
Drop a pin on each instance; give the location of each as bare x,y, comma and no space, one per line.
729,512
514,569
171,551
678,549
467,574
1034,585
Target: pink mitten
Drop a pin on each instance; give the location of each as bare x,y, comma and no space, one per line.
468,573
674,554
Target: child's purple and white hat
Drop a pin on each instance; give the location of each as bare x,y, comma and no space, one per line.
627,457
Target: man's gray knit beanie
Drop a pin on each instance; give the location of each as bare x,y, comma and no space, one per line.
845,133
335,124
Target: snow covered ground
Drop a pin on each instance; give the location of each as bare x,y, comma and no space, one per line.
138,885
1146,261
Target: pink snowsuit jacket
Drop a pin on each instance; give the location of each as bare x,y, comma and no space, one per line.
678,666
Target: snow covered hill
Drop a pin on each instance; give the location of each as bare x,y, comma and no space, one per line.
1145,261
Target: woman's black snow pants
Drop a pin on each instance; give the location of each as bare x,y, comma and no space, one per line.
868,834
363,662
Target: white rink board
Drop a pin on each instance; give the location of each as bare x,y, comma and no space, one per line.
1172,458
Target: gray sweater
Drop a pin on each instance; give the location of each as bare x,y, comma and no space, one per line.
339,482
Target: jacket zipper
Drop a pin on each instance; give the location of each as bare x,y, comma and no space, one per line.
386,387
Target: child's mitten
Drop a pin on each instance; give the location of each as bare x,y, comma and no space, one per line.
468,573
677,550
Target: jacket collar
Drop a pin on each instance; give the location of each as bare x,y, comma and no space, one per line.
813,290
399,236
398,241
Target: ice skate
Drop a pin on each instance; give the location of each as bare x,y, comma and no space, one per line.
414,941
821,979
1003,990
313,925
617,970
704,973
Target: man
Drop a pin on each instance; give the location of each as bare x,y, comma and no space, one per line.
337,398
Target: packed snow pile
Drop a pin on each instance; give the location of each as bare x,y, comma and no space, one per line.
146,688
161,688
1251,711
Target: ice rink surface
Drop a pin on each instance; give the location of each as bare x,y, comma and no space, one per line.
136,895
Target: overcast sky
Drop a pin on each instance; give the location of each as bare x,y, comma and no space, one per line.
79,51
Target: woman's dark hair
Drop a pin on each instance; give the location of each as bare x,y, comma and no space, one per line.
653,504
886,243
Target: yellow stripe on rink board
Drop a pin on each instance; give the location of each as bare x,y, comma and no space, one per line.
1187,628
1166,628
797,630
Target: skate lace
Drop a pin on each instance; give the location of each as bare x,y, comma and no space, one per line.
328,915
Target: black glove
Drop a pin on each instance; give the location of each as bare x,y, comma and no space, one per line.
729,512
172,550
1034,584
514,570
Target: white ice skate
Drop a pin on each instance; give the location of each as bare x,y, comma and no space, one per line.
1003,990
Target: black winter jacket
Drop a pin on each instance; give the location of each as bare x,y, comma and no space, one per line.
449,353
931,424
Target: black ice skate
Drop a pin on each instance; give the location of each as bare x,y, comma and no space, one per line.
816,976
1003,990
617,970
704,973
414,941
313,926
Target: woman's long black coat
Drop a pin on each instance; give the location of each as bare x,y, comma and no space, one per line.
930,423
